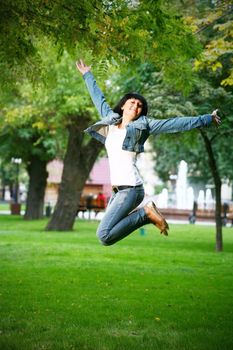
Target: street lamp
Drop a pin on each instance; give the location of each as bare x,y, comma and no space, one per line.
17,162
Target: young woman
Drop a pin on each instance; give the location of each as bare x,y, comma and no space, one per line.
124,131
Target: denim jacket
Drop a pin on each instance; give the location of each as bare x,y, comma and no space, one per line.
137,131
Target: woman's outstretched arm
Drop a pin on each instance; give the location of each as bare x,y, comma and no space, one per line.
178,124
96,94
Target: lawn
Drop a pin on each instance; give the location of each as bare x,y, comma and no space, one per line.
4,206
66,291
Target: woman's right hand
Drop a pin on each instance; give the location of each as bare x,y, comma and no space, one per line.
82,67
215,118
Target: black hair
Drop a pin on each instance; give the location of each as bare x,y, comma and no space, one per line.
117,108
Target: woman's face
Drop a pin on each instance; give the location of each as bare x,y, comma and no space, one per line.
132,108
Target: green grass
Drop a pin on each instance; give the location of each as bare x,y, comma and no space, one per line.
66,291
6,206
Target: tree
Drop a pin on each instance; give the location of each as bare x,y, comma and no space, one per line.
217,56
209,153
28,130
75,112
212,88
24,138
206,96
7,178
78,162
110,31
40,122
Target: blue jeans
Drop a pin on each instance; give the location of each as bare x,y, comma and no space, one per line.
119,220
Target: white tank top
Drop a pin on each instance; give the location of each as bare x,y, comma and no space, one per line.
123,168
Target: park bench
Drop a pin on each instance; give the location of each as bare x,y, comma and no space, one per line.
89,204
200,214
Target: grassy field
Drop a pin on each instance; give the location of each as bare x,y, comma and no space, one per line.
6,206
66,291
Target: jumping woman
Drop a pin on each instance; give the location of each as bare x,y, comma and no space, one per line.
123,130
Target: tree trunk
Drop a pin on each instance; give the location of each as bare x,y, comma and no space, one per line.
218,183
218,216
78,162
3,191
37,184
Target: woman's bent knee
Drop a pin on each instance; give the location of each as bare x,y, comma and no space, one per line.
103,238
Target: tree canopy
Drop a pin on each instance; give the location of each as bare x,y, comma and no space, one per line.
157,41
125,31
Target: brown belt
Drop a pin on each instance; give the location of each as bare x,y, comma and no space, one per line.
120,188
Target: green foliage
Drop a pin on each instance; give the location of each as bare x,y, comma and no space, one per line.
25,132
7,173
217,36
208,94
25,128
127,32
34,119
189,146
149,42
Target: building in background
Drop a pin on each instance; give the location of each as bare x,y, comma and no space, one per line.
180,194
98,181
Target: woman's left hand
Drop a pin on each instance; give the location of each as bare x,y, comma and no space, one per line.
215,118
82,67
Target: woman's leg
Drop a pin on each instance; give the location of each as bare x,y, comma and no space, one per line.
119,220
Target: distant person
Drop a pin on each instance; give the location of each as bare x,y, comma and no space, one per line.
101,200
192,217
89,201
124,131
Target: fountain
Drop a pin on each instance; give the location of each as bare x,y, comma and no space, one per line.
190,198
145,163
201,200
163,198
209,202
181,186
